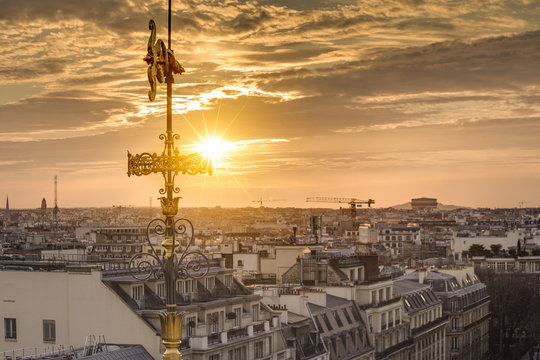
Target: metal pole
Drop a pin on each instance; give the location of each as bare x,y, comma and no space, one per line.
170,163
171,321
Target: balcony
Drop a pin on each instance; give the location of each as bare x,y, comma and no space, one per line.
392,300
261,327
397,348
237,333
430,325
214,338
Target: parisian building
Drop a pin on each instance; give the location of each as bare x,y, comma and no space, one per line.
223,319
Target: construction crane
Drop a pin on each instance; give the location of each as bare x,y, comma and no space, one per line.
261,200
353,203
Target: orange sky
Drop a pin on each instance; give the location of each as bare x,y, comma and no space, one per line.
370,99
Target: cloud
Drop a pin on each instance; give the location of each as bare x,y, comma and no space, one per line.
356,84
75,114
33,70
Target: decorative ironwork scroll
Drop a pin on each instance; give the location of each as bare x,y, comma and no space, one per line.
187,264
146,163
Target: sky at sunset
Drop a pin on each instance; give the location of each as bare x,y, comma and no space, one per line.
387,100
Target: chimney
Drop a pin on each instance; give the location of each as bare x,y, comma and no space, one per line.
422,272
240,271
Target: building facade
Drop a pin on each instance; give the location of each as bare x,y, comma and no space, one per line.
465,302
223,319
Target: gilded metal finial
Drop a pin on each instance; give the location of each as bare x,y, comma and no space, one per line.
161,61
178,261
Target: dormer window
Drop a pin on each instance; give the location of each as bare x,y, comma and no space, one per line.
210,283
137,292
161,290
407,303
188,286
255,312
228,280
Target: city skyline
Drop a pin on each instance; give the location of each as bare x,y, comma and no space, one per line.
385,100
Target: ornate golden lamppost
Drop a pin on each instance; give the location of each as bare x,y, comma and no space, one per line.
178,261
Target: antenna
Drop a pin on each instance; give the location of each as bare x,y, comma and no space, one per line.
55,211
55,191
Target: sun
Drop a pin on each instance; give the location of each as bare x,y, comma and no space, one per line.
215,149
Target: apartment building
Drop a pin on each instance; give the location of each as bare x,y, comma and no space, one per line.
465,302
337,327
424,312
223,319
117,241
395,237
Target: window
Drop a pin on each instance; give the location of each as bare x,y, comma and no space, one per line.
327,322
179,286
255,312
318,323
238,354
346,313
237,315
49,330
209,283
407,303
191,323
397,313
338,319
161,290
383,321
10,328
228,280
214,357
454,342
137,292
214,323
259,350
454,324
187,286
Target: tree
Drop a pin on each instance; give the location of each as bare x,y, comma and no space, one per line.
513,309
496,249
477,250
